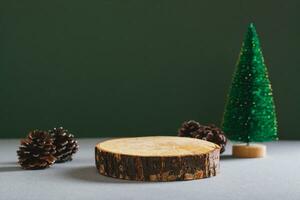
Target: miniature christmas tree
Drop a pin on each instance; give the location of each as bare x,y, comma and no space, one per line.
250,112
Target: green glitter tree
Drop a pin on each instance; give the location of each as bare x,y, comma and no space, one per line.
250,112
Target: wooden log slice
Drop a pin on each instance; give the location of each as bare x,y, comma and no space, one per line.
158,158
249,151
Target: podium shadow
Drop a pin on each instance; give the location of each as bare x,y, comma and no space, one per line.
90,174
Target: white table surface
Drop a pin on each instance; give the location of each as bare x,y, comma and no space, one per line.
275,177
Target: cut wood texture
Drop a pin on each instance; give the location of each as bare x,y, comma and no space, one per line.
157,158
249,151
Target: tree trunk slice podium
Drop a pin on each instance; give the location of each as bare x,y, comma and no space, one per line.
157,158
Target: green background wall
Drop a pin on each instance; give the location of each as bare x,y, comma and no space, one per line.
137,67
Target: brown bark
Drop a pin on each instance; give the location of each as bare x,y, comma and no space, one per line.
157,168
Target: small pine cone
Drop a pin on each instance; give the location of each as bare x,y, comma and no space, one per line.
187,128
66,144
211,133
36,151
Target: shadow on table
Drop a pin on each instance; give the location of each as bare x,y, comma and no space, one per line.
90,174
227,157
9,169
8,163
10,166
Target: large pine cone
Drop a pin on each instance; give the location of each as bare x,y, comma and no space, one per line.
209,133
187,128
36,151
66,144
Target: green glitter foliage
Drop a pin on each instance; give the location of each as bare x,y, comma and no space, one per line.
250,112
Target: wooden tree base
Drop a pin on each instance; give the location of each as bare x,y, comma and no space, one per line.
158,158
248,151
